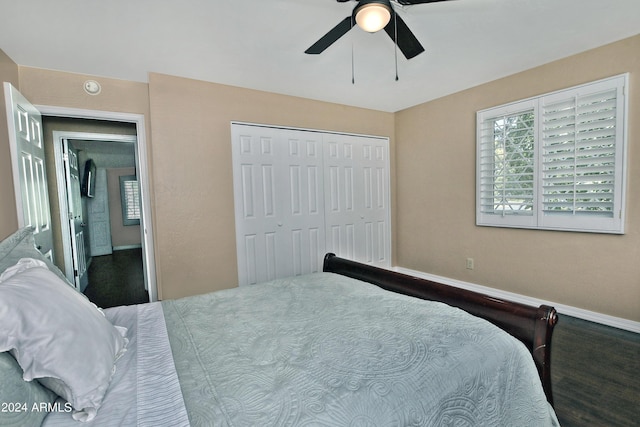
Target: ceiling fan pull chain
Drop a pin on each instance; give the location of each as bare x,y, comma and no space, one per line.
395,42
353,69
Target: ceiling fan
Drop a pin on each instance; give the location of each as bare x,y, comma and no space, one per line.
372,16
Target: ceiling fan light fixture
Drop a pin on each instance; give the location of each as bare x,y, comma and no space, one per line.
372,15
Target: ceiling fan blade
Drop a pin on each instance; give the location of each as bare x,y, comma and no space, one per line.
334,34
407,42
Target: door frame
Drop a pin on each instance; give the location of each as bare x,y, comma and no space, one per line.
63,197
146,224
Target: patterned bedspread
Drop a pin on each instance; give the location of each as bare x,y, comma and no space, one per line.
326,350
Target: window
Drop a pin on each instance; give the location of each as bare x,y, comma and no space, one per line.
130,195
556,161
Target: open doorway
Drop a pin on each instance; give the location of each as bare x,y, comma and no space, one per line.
32,156
98,210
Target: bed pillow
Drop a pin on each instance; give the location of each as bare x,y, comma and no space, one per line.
58,336
18,396
22,244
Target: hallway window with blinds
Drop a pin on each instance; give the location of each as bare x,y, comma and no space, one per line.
130,195
556,161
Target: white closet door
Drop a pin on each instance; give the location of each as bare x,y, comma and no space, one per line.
278,202
357,198
303,219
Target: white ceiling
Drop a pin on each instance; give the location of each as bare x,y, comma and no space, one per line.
260,44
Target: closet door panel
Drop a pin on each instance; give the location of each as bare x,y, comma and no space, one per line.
358,217
256,204
341,179
376,209
277,178
303,214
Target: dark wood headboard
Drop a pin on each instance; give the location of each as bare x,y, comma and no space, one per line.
531,325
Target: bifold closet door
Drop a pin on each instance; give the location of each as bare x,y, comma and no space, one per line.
279,204
357,211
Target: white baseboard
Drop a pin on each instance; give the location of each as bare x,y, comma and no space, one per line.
592,316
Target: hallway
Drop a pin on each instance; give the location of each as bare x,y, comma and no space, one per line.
117,279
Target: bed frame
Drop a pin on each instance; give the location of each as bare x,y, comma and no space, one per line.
531,325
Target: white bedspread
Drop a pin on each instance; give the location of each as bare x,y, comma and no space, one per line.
134,397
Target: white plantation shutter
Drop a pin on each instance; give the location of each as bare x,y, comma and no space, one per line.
578,166
130,198
582,157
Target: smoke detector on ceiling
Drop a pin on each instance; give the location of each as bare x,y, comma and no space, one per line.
92,87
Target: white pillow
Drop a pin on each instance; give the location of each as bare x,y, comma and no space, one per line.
58,336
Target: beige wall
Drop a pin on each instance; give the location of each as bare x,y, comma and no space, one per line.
193,181
8,217
436,232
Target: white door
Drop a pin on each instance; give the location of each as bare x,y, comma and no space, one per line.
303,211
98,217
357,198
76,219
29,172
278,191
299,194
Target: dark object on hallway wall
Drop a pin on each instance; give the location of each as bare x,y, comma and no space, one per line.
88,188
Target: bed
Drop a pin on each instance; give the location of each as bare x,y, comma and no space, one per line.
352,345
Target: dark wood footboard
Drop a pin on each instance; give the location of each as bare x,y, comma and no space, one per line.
531,325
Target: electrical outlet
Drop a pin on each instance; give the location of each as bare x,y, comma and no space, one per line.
470,264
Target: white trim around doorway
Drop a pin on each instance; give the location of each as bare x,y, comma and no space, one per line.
146,226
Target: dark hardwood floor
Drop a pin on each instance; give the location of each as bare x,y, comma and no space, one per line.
117,279
595,374
595,368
